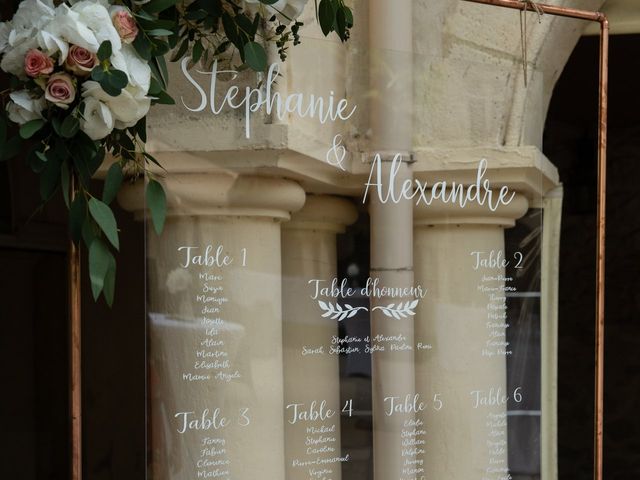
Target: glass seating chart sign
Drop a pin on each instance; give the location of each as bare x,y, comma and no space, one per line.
328,305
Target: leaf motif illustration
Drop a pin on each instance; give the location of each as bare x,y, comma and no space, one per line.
348,306
386,312
323,305
352,313
326,314
414,304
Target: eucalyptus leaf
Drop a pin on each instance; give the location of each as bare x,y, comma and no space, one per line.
42,156
34,161
105,219
89,232
161,63
109,88
341,22
179,53
105,51
159,32
157,201
110,282
70,126
144,15
118,78
159,47
112,183
163,98
196,55
326,16
143,46
156,6
97,74
255,56
231,30
65,181
29,129
99,262
348,13
49,179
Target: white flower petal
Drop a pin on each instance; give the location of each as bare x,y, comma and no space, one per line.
97,121
23,107
13,59
127,108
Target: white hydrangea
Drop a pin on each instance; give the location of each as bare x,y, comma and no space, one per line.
86,24
18,36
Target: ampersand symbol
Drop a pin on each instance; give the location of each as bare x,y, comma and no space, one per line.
337,153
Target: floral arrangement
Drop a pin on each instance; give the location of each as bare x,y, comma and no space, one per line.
84,74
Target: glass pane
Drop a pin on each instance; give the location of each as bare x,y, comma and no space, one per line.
386,326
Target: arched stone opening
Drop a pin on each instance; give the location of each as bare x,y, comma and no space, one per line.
570,142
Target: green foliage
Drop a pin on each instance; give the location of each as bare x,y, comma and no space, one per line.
29,129
112,183
105,219
105,51
335,16
255,56
157,202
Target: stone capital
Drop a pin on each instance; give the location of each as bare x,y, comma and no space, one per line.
440,213
221,194
323,212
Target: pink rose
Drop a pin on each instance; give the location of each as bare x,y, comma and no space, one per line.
37,63
125,25
80,61
60,90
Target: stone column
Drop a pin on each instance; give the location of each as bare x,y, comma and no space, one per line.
391,103
457,366
215,328
311,372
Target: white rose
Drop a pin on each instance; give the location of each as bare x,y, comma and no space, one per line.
127,108
134,66
23,107
97,121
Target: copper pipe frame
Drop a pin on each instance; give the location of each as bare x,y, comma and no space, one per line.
75,353
602,197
